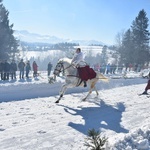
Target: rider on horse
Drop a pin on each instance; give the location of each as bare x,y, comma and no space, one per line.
75,71
84,71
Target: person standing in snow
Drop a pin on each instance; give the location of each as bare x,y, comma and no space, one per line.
147,86
49,68
21,66
6,70
13,69
28,68
35,69
108,68
1,69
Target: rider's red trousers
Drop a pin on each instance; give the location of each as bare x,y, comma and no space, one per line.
148,85
86,73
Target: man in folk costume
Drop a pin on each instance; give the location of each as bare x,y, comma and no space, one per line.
147,86
84,71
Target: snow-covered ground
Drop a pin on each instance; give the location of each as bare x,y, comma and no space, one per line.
31,120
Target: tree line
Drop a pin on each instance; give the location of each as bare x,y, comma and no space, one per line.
26,46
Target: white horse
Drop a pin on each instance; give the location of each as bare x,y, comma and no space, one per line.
72,78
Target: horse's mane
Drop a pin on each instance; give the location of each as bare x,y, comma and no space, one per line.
66,60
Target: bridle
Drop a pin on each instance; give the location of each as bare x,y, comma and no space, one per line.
60,68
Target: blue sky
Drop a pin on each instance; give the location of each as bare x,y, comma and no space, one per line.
76,19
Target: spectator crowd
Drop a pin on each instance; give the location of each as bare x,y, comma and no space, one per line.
113,68
8,70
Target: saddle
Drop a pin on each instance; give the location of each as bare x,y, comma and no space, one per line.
86,73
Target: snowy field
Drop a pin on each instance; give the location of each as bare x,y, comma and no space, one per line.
31,120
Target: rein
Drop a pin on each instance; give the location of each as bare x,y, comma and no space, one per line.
62,66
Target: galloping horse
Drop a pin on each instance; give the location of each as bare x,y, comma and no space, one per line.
72,79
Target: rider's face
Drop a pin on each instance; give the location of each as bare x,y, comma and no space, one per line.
77,51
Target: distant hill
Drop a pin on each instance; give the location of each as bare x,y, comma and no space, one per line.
26,36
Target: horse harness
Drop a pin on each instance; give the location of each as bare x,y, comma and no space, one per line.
63,70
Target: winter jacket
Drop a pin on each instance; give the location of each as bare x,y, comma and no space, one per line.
21,66
28,67
49,66
6,67
1,67
35,66
13,67
78,60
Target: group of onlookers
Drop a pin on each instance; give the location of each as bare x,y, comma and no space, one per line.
9,69
112,68
105,69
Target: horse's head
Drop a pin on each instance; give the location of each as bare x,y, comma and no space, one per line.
62,65
59,68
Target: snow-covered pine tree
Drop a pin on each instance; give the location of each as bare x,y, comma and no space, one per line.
8,43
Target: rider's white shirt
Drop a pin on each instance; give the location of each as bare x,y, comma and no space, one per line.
78,60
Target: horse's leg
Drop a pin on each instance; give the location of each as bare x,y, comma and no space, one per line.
61,93
92,86
96,91
59,98
87,95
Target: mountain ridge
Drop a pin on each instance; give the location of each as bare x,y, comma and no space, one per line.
26,36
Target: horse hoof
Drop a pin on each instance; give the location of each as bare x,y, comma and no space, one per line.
84,99
57,101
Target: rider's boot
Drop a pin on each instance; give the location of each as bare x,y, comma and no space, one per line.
145,93
85,84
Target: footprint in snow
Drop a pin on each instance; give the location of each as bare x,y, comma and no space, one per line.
41,132
1,129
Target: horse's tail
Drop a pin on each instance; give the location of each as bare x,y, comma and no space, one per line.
102,77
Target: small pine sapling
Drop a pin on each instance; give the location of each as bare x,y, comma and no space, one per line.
94,141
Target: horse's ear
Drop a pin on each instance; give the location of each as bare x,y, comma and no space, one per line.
60,60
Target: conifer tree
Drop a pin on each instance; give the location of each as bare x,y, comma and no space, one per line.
104,57
127,48
140,35
8,43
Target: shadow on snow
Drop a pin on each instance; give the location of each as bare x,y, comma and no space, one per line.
102,117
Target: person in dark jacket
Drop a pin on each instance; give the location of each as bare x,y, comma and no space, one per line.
28,68
21,66
49,68
1,70
13,69
108,68
6,70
